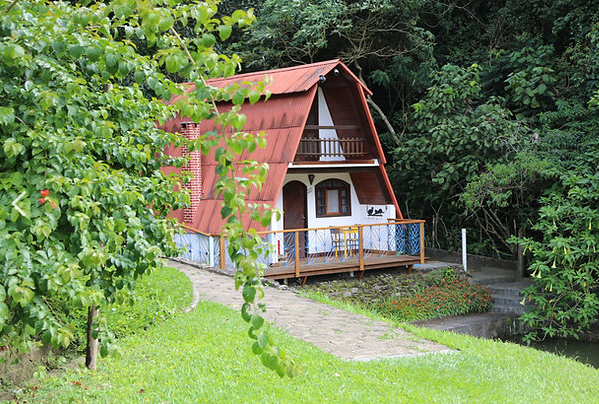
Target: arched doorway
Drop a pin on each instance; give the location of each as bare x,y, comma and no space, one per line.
294,214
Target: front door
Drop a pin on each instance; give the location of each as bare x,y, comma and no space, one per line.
294,215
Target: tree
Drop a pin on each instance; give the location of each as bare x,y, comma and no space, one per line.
565,265
83,204
377,38
455,134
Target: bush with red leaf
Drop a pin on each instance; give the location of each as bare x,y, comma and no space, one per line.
447,297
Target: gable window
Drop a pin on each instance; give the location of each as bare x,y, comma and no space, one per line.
332,198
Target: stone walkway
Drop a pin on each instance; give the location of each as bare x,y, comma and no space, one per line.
341,333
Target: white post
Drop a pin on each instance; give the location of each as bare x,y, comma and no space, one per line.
464,252
273,253
211,252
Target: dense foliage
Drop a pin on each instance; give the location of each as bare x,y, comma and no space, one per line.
406,297
83,204
489,114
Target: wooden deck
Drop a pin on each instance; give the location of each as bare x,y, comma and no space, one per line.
334,267
323,250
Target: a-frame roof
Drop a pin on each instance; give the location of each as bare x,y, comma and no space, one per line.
282,118
290,80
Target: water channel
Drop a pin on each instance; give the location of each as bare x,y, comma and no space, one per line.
585,352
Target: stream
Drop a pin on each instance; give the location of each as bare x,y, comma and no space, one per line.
585,352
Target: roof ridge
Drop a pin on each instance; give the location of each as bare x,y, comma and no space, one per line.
277,70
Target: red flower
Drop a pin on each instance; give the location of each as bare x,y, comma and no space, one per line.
41,201
45,193
53,205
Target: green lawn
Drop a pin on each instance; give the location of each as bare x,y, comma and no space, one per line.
205,356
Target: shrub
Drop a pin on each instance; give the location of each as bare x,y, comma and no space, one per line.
448,297
157,296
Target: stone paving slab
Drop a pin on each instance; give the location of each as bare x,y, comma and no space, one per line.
347,335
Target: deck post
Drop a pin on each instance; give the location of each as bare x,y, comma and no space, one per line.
211,251
297,251
422,243
221,242
361,248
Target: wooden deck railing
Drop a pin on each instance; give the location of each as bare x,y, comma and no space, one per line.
301,248
347,147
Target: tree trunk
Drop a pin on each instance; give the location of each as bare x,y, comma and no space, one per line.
384,118
91,350
378,109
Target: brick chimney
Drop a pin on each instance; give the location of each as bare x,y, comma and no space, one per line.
191,131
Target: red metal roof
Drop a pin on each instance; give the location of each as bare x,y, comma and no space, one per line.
290,79
287,80
282,118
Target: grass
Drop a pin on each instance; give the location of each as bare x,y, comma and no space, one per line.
344,305
205,356
148,303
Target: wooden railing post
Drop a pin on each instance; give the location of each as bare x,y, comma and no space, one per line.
222,251
361,248
422,243
297,251
211,251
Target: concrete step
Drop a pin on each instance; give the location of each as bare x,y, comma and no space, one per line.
493,276
507,300
487,325
500,308
510,288
507,296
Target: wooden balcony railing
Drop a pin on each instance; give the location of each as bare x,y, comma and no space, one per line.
347,147
301,252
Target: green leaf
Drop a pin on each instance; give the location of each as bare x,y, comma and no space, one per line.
111,59
224,32
13,51
281,369
139,76
256,349
76,51
257,321
59,47
208,40
273,362
3,314
254,96
247,317
47,337
249,293
93,53
172,65
237,98
263,340
7,115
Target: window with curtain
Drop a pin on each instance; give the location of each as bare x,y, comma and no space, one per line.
332,198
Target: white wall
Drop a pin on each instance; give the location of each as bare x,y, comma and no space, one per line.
358,212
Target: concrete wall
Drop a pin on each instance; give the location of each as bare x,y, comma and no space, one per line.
475,262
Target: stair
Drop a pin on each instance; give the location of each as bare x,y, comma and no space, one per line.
490,276
507,297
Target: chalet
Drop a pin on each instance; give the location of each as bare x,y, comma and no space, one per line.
326,175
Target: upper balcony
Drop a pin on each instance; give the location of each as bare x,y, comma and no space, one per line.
313,147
